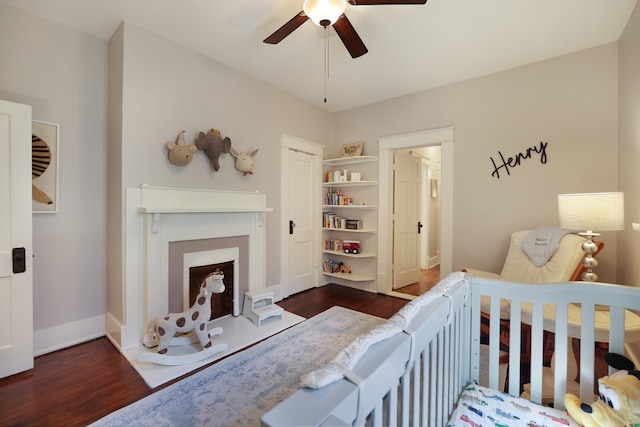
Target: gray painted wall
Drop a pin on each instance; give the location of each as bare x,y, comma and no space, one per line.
569,102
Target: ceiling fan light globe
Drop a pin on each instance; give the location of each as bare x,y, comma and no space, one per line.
323,11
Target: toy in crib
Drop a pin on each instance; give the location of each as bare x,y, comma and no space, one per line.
619,403
195,319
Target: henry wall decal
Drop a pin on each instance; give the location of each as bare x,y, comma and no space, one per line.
512,162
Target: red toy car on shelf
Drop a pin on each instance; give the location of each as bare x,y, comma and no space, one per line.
351,246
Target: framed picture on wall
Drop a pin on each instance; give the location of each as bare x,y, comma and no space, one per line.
434,188
352,149
45,149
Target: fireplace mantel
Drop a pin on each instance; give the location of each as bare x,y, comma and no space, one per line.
167,200
200,210
158,216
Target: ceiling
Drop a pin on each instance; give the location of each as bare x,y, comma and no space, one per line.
411,47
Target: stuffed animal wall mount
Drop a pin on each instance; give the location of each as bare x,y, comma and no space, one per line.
244,161
619,403
213,146
180,154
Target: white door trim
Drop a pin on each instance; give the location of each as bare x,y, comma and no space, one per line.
386,145
317,150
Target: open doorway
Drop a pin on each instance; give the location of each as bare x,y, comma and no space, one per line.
422,258
387,147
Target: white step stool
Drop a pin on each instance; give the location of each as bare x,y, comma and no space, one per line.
258,306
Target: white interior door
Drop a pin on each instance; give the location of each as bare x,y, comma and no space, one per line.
303,221
16,285
406,215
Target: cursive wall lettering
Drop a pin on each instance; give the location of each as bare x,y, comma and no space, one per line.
512,162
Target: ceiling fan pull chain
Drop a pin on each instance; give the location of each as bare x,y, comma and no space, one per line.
326,62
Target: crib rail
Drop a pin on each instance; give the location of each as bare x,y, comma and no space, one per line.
416,376
413,378
589,312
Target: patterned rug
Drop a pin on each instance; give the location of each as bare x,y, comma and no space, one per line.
238,390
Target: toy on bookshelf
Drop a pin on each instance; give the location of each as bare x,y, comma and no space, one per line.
343,176
351,246
333,267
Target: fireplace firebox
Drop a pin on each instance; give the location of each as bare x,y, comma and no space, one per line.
221,304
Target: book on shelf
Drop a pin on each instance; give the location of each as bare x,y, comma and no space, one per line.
331,266
335,245
336,176
337,198
332,220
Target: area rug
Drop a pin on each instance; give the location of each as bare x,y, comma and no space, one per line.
238,390
239,332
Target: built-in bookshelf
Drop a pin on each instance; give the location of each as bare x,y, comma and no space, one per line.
349,220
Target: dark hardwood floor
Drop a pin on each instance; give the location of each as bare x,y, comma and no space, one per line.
81,384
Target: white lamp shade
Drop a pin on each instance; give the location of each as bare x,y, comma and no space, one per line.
591,211
320,10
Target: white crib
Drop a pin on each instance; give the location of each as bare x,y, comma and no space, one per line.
415,377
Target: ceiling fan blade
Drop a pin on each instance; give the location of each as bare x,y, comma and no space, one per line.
376,2
287,28
350,37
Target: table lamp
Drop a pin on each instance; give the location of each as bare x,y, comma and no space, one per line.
591,211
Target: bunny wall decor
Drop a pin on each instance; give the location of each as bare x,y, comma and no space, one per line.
244,161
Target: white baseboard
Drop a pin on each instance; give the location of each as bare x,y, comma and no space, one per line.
278,292
52,339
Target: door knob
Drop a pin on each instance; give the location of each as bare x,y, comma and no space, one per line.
19,260
291,226
419,226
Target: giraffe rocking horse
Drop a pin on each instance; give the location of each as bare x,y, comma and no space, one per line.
195,319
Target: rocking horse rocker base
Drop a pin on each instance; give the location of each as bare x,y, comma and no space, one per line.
195,319
151,340
183,359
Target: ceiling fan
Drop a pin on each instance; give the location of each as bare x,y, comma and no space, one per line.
327,13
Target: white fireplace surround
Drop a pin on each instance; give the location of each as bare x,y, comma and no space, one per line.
156,216
216,256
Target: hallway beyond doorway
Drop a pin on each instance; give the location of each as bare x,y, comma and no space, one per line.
428,278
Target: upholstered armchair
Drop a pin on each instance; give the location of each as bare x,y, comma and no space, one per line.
564,265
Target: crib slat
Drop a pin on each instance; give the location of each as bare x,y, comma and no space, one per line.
455,364
448,356
475,336
494,340
376,415
392,415
405,395
561,352
536,351
429,368
440,362
587,351
515,349
616,330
